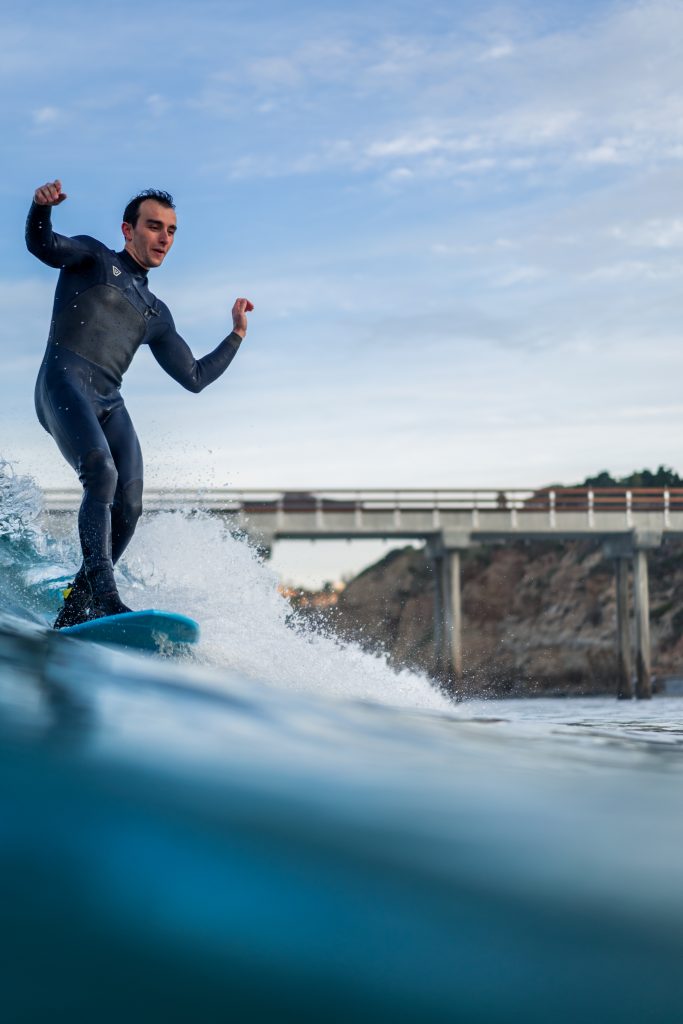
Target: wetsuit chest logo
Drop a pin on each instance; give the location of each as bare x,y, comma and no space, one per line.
116,272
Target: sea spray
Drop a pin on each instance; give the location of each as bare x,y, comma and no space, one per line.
21,506
192,563
32,561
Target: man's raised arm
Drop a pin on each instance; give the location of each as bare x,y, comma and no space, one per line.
174,356
51,248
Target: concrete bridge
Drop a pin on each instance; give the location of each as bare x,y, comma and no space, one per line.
627,521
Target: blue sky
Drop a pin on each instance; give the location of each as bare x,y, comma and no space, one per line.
461,227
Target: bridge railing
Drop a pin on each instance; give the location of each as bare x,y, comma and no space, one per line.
551,500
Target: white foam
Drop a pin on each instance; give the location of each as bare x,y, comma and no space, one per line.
21,506
192,564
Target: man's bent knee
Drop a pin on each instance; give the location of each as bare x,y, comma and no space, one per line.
128,501
99,476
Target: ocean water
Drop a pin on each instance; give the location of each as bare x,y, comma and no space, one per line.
279,827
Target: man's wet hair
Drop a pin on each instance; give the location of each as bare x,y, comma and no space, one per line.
132,211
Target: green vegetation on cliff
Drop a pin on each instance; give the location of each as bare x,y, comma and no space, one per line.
662,477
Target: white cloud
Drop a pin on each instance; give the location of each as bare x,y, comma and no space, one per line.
405,145
498,52
157,104
604,98
46,116
656,233
602,93
521,275
606,153
275,72
633,270
401,174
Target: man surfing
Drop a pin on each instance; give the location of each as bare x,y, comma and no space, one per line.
103,311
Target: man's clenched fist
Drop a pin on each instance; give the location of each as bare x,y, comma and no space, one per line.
239,315
50,194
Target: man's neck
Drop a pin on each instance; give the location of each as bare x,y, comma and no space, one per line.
136,262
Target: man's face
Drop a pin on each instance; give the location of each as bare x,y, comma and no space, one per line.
152,237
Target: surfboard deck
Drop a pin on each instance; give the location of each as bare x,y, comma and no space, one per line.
148,630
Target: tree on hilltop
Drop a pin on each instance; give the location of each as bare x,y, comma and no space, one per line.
662,477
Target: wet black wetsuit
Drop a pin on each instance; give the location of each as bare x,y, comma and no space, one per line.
103,312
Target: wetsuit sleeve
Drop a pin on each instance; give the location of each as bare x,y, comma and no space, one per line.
51,248
174,356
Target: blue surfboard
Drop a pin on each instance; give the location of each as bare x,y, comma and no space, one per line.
150,630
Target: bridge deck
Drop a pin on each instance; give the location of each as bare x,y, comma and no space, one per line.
482,514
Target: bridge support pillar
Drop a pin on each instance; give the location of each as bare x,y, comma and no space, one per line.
447,604
642,617
436,558
454,630
624,660
448,615
633,546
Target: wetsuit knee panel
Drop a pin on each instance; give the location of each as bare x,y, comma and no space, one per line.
128,501
98,475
